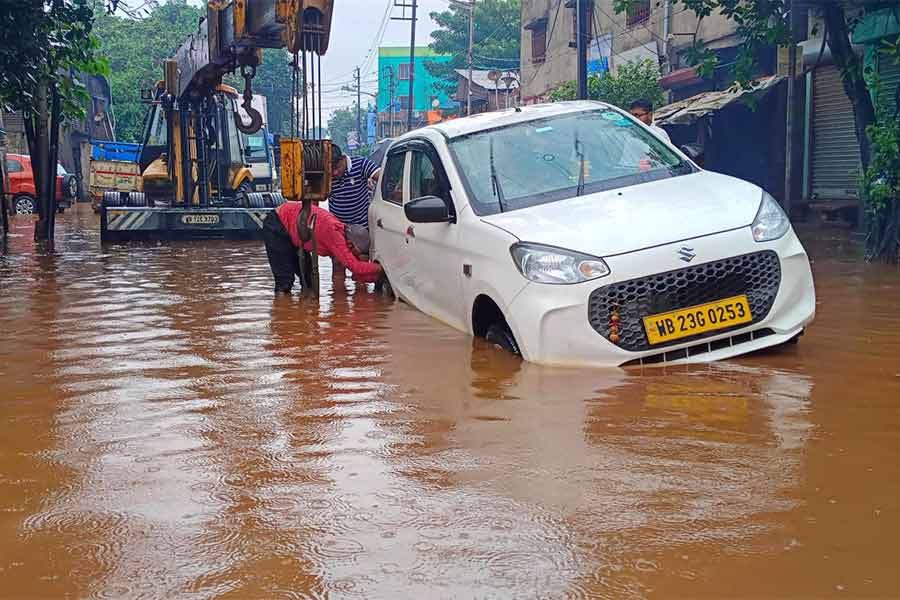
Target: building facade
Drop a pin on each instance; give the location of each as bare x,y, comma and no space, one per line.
431,96
657,30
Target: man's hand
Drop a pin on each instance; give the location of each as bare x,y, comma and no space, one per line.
373,180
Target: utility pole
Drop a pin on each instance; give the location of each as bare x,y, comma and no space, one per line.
583,26
471,46
789,113
412,56
358,109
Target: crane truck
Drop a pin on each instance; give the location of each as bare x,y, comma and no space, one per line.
194,180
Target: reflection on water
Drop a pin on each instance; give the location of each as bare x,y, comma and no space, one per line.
170,429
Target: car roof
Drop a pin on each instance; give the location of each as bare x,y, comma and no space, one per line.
491,120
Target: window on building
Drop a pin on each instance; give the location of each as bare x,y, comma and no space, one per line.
638,13
539,45
404,72
404,102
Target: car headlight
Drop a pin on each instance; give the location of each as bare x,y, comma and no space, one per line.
546,264
770,223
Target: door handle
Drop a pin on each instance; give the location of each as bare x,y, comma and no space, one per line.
380,224
410,231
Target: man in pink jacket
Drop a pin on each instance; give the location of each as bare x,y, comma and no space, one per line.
346,243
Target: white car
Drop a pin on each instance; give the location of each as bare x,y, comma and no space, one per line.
571,234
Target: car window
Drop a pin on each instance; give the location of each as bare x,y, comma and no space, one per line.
61,170
425,179
13,166
555,158
392,180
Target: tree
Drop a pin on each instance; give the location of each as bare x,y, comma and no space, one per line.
497,39
136,49
632,81
42,45
341,123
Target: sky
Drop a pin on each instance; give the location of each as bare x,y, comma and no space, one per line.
356,35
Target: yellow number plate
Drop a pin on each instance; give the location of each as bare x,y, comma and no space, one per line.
702,318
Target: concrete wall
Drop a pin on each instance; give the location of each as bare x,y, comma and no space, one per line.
636,42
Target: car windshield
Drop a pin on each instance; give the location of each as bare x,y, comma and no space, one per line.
560,157
60,170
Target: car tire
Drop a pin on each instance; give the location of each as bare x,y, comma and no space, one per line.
500,335
24,204
72,189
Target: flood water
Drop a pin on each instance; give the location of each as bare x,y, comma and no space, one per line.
168,429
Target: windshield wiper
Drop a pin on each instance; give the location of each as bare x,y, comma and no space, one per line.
495,182
579,152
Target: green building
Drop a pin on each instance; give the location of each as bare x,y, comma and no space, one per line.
430,99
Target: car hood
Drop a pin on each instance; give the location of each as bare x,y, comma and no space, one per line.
637,217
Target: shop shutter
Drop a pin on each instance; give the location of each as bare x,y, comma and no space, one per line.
835,162
888,81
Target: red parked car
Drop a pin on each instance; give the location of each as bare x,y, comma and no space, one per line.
21,192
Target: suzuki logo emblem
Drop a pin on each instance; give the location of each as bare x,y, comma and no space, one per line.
687,254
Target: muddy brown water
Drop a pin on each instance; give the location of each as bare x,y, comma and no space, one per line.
167,429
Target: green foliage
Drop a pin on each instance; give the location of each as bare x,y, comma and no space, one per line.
632,81
43,43
497,38
881,180
136,49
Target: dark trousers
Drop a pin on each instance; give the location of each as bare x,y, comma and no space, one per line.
282,253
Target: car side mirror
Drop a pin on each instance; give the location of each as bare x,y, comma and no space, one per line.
694,152
428,209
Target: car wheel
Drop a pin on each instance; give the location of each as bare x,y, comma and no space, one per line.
73,188
24,205
500,335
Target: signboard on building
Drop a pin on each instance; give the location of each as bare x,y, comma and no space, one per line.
352,141
371,126
600,53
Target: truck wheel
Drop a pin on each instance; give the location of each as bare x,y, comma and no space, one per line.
500,335
243,194
24,204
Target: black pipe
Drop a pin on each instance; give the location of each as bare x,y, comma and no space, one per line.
186,178
202,164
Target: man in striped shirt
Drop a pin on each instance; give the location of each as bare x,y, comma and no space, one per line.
352,182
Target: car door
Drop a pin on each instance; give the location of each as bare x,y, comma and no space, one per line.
436,264
19,173
387,222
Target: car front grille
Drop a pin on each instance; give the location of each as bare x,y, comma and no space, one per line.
758,275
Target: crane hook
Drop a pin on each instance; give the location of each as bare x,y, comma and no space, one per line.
256,120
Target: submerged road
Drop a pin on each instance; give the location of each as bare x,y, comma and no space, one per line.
168,429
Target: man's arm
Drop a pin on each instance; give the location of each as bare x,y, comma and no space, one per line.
333,241
372,172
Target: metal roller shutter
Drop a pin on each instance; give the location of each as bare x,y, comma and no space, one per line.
835,162
888,80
